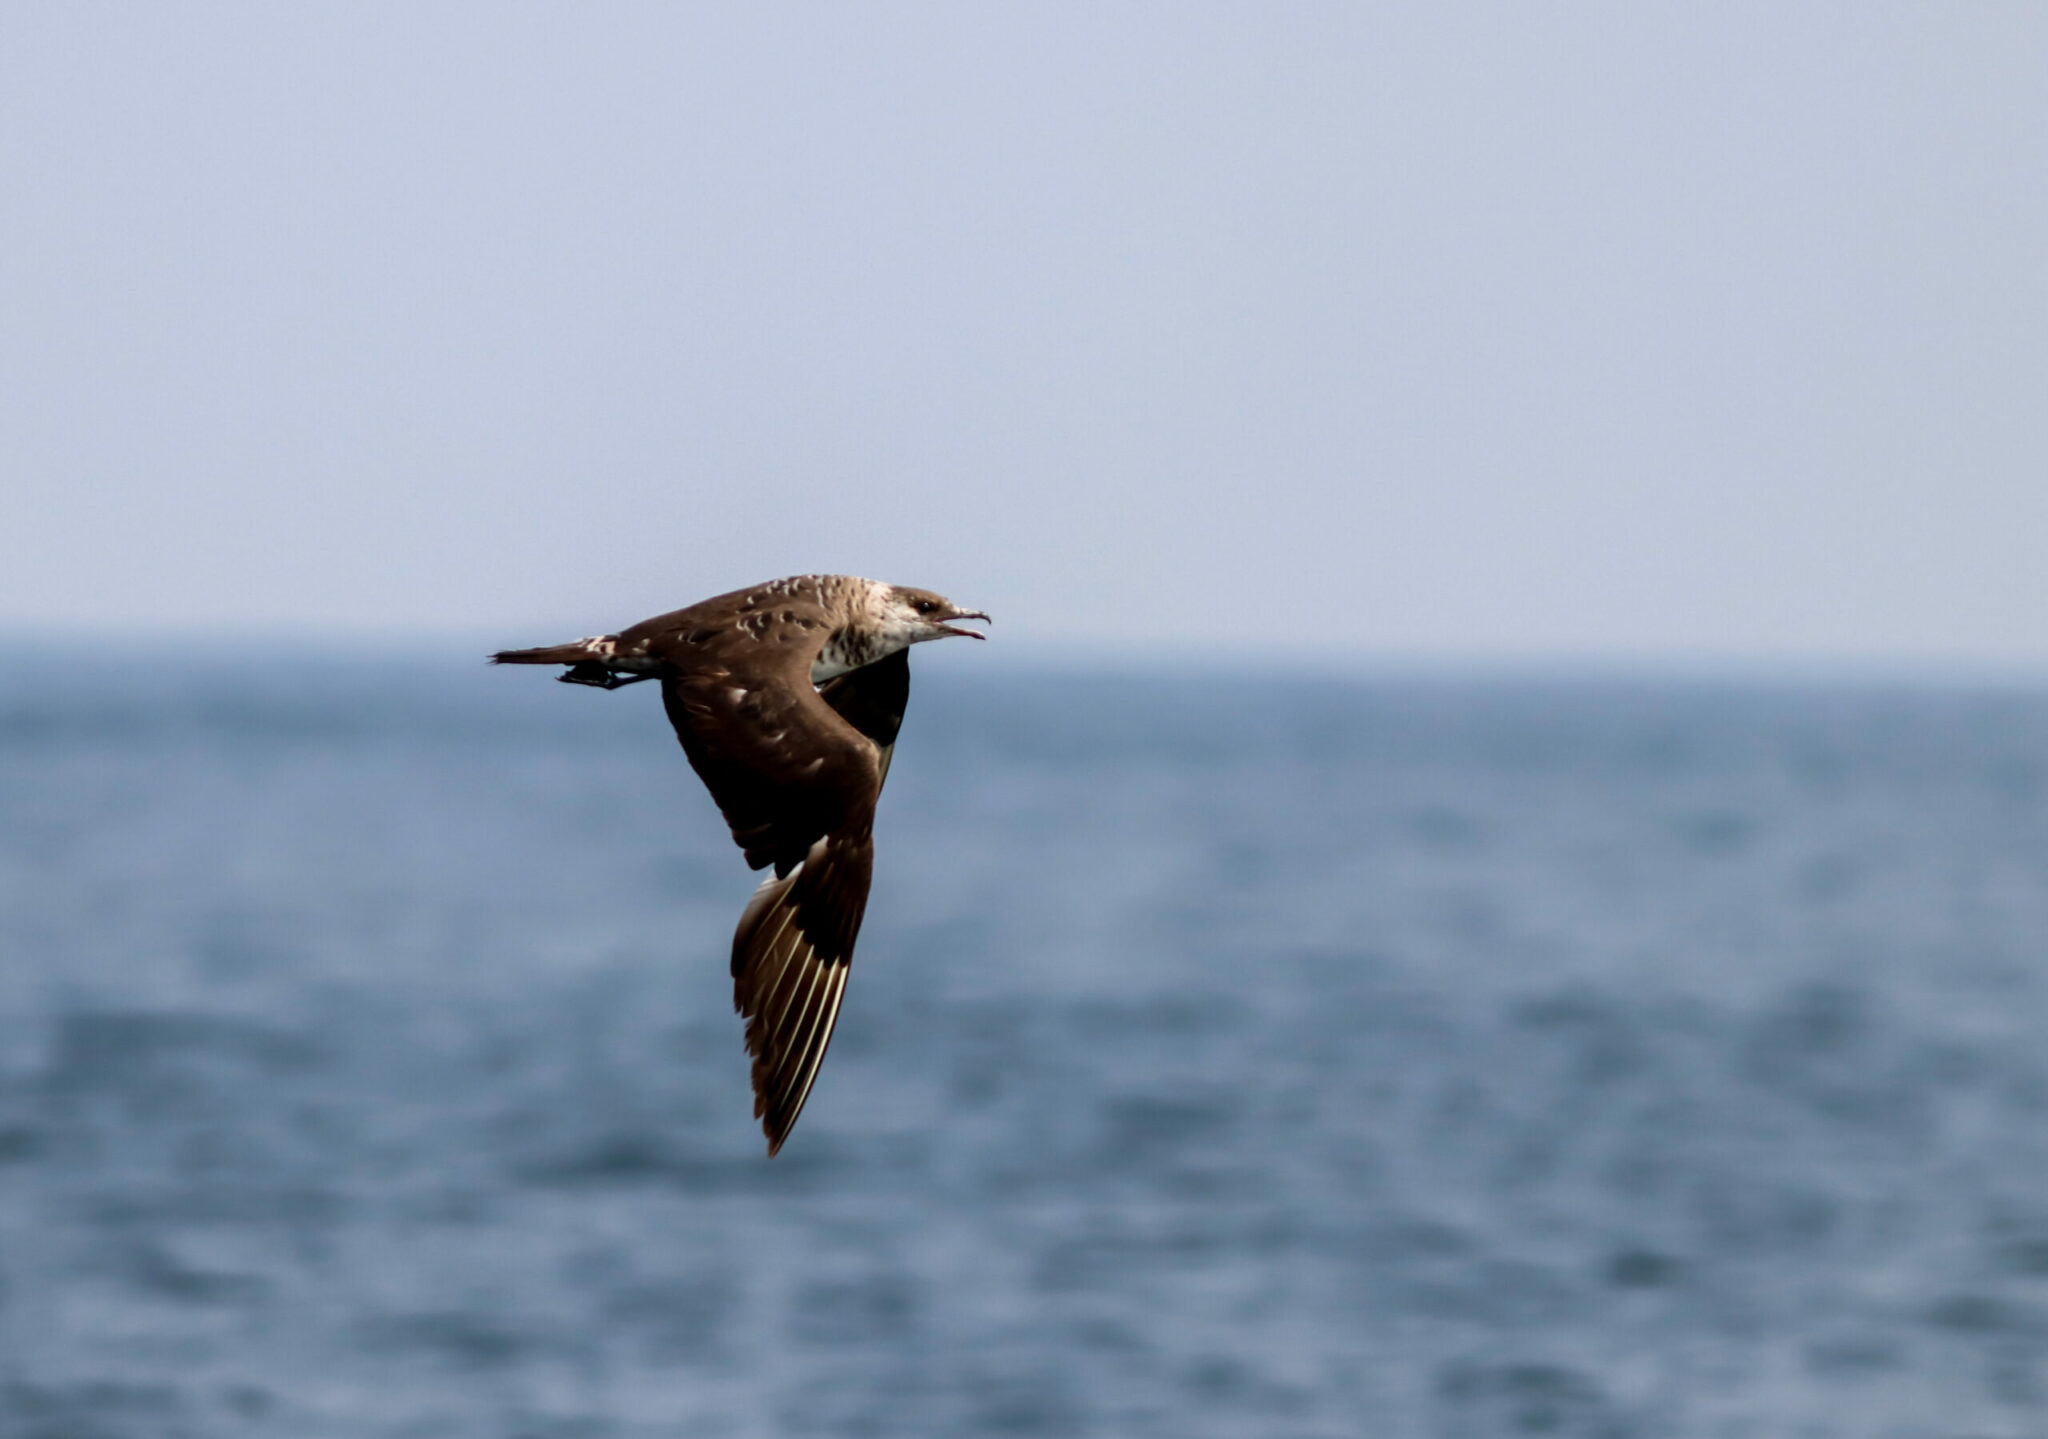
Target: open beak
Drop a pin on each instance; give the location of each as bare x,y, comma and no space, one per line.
966,615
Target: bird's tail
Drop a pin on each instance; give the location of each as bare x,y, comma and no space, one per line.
568,654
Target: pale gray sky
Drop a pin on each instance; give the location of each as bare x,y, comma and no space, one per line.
1715,331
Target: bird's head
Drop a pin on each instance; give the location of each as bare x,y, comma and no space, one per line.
917,615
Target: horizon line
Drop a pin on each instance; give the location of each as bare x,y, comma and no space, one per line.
1083,655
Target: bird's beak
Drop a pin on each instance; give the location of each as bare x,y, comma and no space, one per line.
966,615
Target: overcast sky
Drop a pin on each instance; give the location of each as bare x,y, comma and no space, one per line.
1518,331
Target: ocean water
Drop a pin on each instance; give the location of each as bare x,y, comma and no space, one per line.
1226,1056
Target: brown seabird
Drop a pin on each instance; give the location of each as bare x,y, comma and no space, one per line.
787,698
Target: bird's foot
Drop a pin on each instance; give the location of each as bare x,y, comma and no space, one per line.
590,672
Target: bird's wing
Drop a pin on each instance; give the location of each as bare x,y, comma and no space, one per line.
784,768
872,699
790,959
796,772
794,946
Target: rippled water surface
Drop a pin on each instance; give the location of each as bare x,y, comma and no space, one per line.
1224,1057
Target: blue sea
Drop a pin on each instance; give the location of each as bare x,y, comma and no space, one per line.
1227,1055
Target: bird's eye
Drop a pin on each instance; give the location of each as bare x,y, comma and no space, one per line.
925,607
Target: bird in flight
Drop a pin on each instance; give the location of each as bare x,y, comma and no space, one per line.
787,698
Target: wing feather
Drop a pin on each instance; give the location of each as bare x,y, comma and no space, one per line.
791,957
784,766
804,1073
872,699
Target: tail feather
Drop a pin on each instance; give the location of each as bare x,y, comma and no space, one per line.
568,654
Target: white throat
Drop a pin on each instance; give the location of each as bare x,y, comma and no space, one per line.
877,629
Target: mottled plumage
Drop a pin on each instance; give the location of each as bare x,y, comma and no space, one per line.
787,698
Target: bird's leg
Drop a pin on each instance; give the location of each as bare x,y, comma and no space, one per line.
590,672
